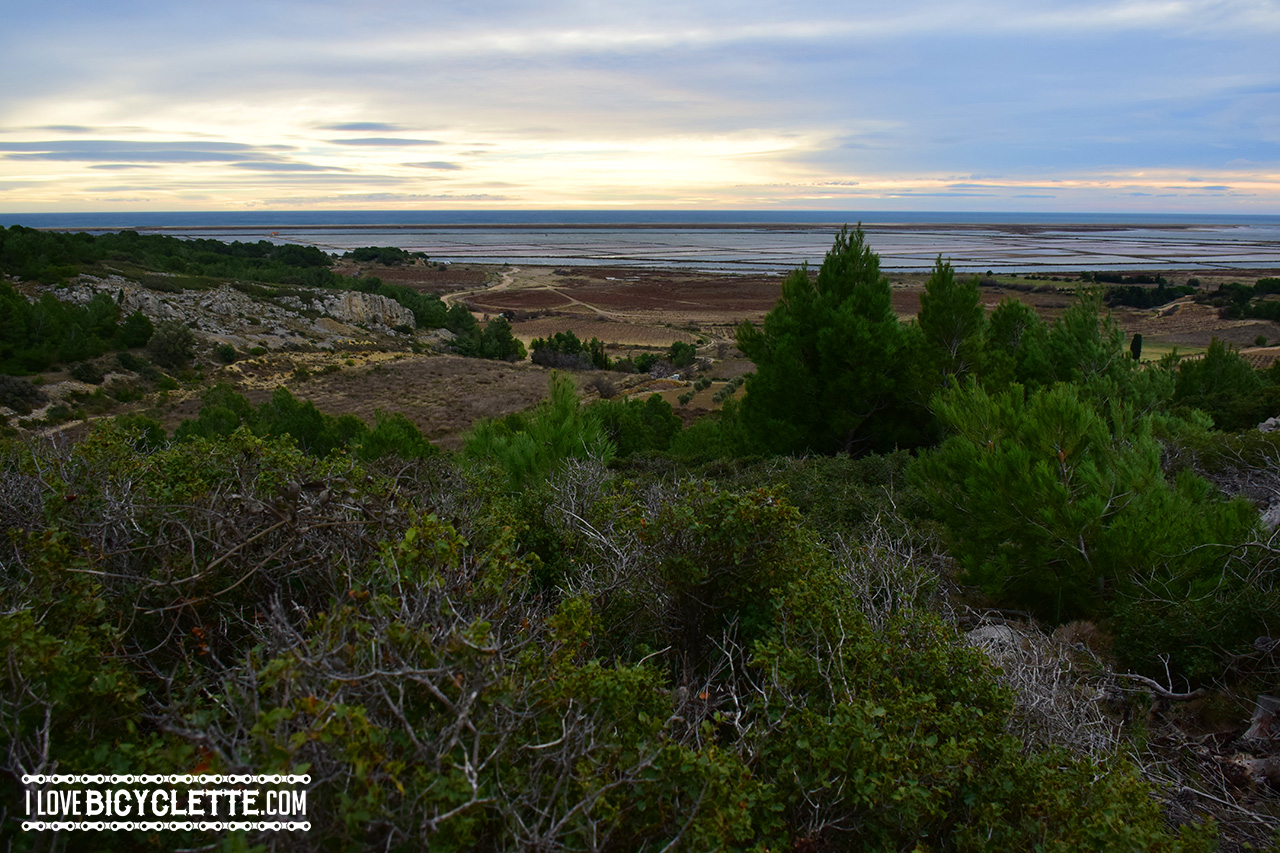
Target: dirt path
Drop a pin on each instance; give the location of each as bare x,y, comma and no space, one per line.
508,281
505,281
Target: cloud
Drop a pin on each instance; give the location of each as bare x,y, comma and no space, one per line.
384,141
128,151
436,164
381,198
285,166
365,126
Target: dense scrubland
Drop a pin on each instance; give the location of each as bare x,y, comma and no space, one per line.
976,581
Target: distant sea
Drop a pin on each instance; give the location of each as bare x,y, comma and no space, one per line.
736,241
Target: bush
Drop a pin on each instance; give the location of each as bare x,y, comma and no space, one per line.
226,353
1058,505
564,350
135,331
530,446
149,434
494,341
635,427
393,433
645,361
682,354
131,362
124,391
603,386
85,371
172,345
20,395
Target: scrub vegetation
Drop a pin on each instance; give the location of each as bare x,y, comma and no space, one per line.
974,581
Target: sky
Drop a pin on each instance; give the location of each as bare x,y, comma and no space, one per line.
993,105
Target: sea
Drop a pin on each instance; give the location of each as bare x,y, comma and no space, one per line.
768,242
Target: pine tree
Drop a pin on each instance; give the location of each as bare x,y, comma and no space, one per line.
830,361
952,320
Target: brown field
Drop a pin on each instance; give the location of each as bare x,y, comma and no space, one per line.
443,394
622,306
616,335
422,277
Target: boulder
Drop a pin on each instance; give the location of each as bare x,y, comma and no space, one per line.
1000,642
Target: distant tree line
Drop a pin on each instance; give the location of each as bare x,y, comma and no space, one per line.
390,256
1134,296
52,256
1236,301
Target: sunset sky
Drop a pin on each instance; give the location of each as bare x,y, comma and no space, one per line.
1010,105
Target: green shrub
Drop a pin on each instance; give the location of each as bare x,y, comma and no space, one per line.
172,344
20,395
393,433
682,354
149,434
87,372
635,427
529,447
1054,503
131,362
135,331
124,391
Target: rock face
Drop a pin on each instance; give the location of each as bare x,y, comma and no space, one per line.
363,309
148,302
317,317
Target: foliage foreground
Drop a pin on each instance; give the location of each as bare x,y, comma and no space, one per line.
595,662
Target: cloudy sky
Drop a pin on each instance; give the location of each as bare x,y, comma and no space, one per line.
1012,105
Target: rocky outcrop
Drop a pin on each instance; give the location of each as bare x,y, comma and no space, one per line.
364,309
316,317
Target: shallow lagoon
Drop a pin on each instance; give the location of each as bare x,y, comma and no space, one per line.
778,250
727,241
